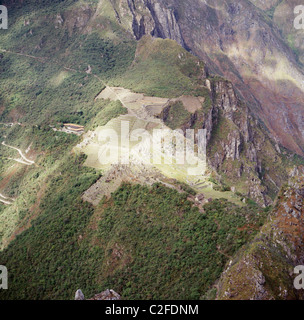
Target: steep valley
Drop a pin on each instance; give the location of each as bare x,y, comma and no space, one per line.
230,69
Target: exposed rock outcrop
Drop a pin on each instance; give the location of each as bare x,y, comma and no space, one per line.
79,295
264,269
154,19
105,295
238,145
236,41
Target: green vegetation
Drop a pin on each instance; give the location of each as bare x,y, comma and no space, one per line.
144,242
186,188
44,83
49,82
222,188
110,110
27,183
163,68
177,115
270,12
159,233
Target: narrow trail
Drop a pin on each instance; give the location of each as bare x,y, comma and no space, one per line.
45,60
6,200
130,111
142,116
41,59
20,161
24,158
224,254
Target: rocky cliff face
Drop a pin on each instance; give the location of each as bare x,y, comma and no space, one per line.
265,268
155,19
105,295
239,148
236,41
240,42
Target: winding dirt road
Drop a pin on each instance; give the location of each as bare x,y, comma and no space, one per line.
24,160
5,199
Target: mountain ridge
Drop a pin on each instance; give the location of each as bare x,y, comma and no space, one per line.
153,236
219,39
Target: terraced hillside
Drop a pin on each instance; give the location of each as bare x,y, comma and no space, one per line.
147,231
